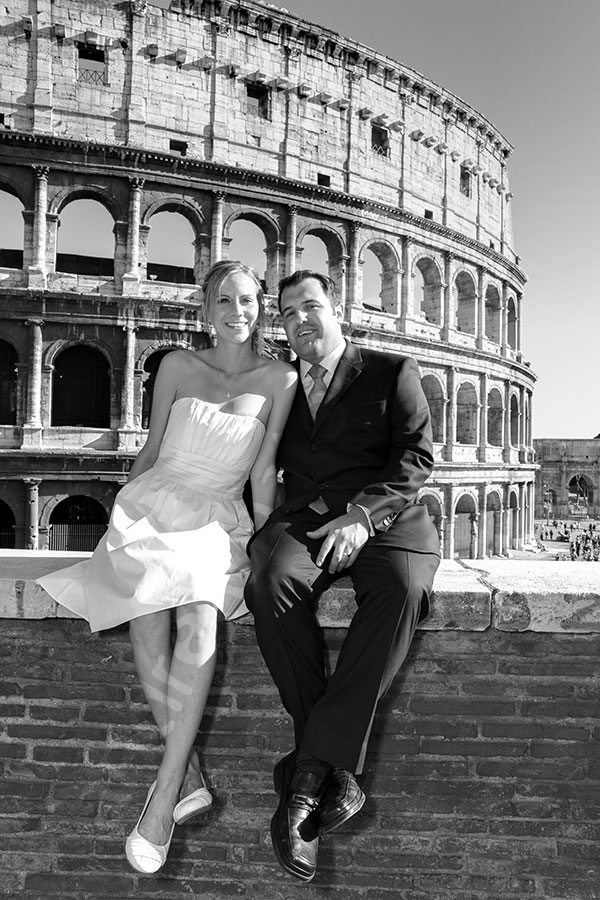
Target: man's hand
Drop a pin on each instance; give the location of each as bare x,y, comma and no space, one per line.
344,537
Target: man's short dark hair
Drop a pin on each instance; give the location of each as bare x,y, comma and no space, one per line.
327,283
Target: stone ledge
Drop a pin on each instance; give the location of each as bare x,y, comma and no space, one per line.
470,595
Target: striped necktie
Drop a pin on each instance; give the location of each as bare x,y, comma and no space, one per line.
317,391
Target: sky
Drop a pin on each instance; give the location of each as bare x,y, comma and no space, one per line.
532,68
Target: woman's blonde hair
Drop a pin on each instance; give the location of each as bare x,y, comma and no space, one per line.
211,287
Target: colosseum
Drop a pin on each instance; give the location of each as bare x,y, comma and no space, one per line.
125,121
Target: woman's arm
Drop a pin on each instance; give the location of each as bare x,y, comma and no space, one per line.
165,388
263,477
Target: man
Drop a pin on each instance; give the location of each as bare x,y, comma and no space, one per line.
356,449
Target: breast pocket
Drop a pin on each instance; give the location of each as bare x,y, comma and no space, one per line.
367,413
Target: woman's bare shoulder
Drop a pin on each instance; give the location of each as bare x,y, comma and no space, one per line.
279,373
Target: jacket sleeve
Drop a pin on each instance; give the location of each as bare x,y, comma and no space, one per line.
410,459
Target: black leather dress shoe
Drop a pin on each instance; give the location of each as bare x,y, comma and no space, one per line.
295,825
342,798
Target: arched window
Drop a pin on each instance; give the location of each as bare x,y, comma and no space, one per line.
248,244
77,523
465,528
466,303
11,232
81,388
435,511
514,421
171,248
435,398
85,240
150,370
581,494
495,414
372,276
429,285
315,254
492,314
7,526
466,414
8,384
493,535
511,336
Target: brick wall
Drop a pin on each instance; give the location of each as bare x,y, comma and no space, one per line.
482,777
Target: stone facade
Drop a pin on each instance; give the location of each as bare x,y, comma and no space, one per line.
224,112
568,480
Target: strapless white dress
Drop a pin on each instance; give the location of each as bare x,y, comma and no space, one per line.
177,532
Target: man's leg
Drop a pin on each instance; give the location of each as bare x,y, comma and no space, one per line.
391,587
282,594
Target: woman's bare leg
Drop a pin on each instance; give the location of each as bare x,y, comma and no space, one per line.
178,711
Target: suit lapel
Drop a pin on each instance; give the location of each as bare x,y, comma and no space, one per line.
347,370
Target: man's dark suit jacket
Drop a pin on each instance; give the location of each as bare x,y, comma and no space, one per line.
370,444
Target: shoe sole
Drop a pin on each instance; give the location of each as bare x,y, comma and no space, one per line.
192,815
337,821
283,862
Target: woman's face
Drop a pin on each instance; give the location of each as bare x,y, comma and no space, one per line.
235,310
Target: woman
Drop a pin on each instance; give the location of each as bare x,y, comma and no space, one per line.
177,537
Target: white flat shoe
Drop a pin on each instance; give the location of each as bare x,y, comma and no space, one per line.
196,803
142,855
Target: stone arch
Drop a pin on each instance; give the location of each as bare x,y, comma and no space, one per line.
465,525
495,417
8,383
429,277
466,413
81,387
178,258
268,225
512,513
511,323
580,489
493,314
16,187
466,302
12,229
514,420
493,530
76,523
434,392
335,251
81,250
72,193
388,264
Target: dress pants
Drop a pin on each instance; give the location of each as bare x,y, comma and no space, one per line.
333,717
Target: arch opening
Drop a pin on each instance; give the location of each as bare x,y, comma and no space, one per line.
171,248
8,384
85,243
495,414
11,231
428,285
81,388
466,414
77,523
435,398
7,527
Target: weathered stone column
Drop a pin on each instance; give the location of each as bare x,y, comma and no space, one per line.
447,311
451,414
522,513
33,511
37,271
482,548
131,279
216,230
352,299
507,422
128,378
291,238
406,292
34,376
504,320
480,308
483,391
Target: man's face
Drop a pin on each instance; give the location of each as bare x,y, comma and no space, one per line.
309,320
